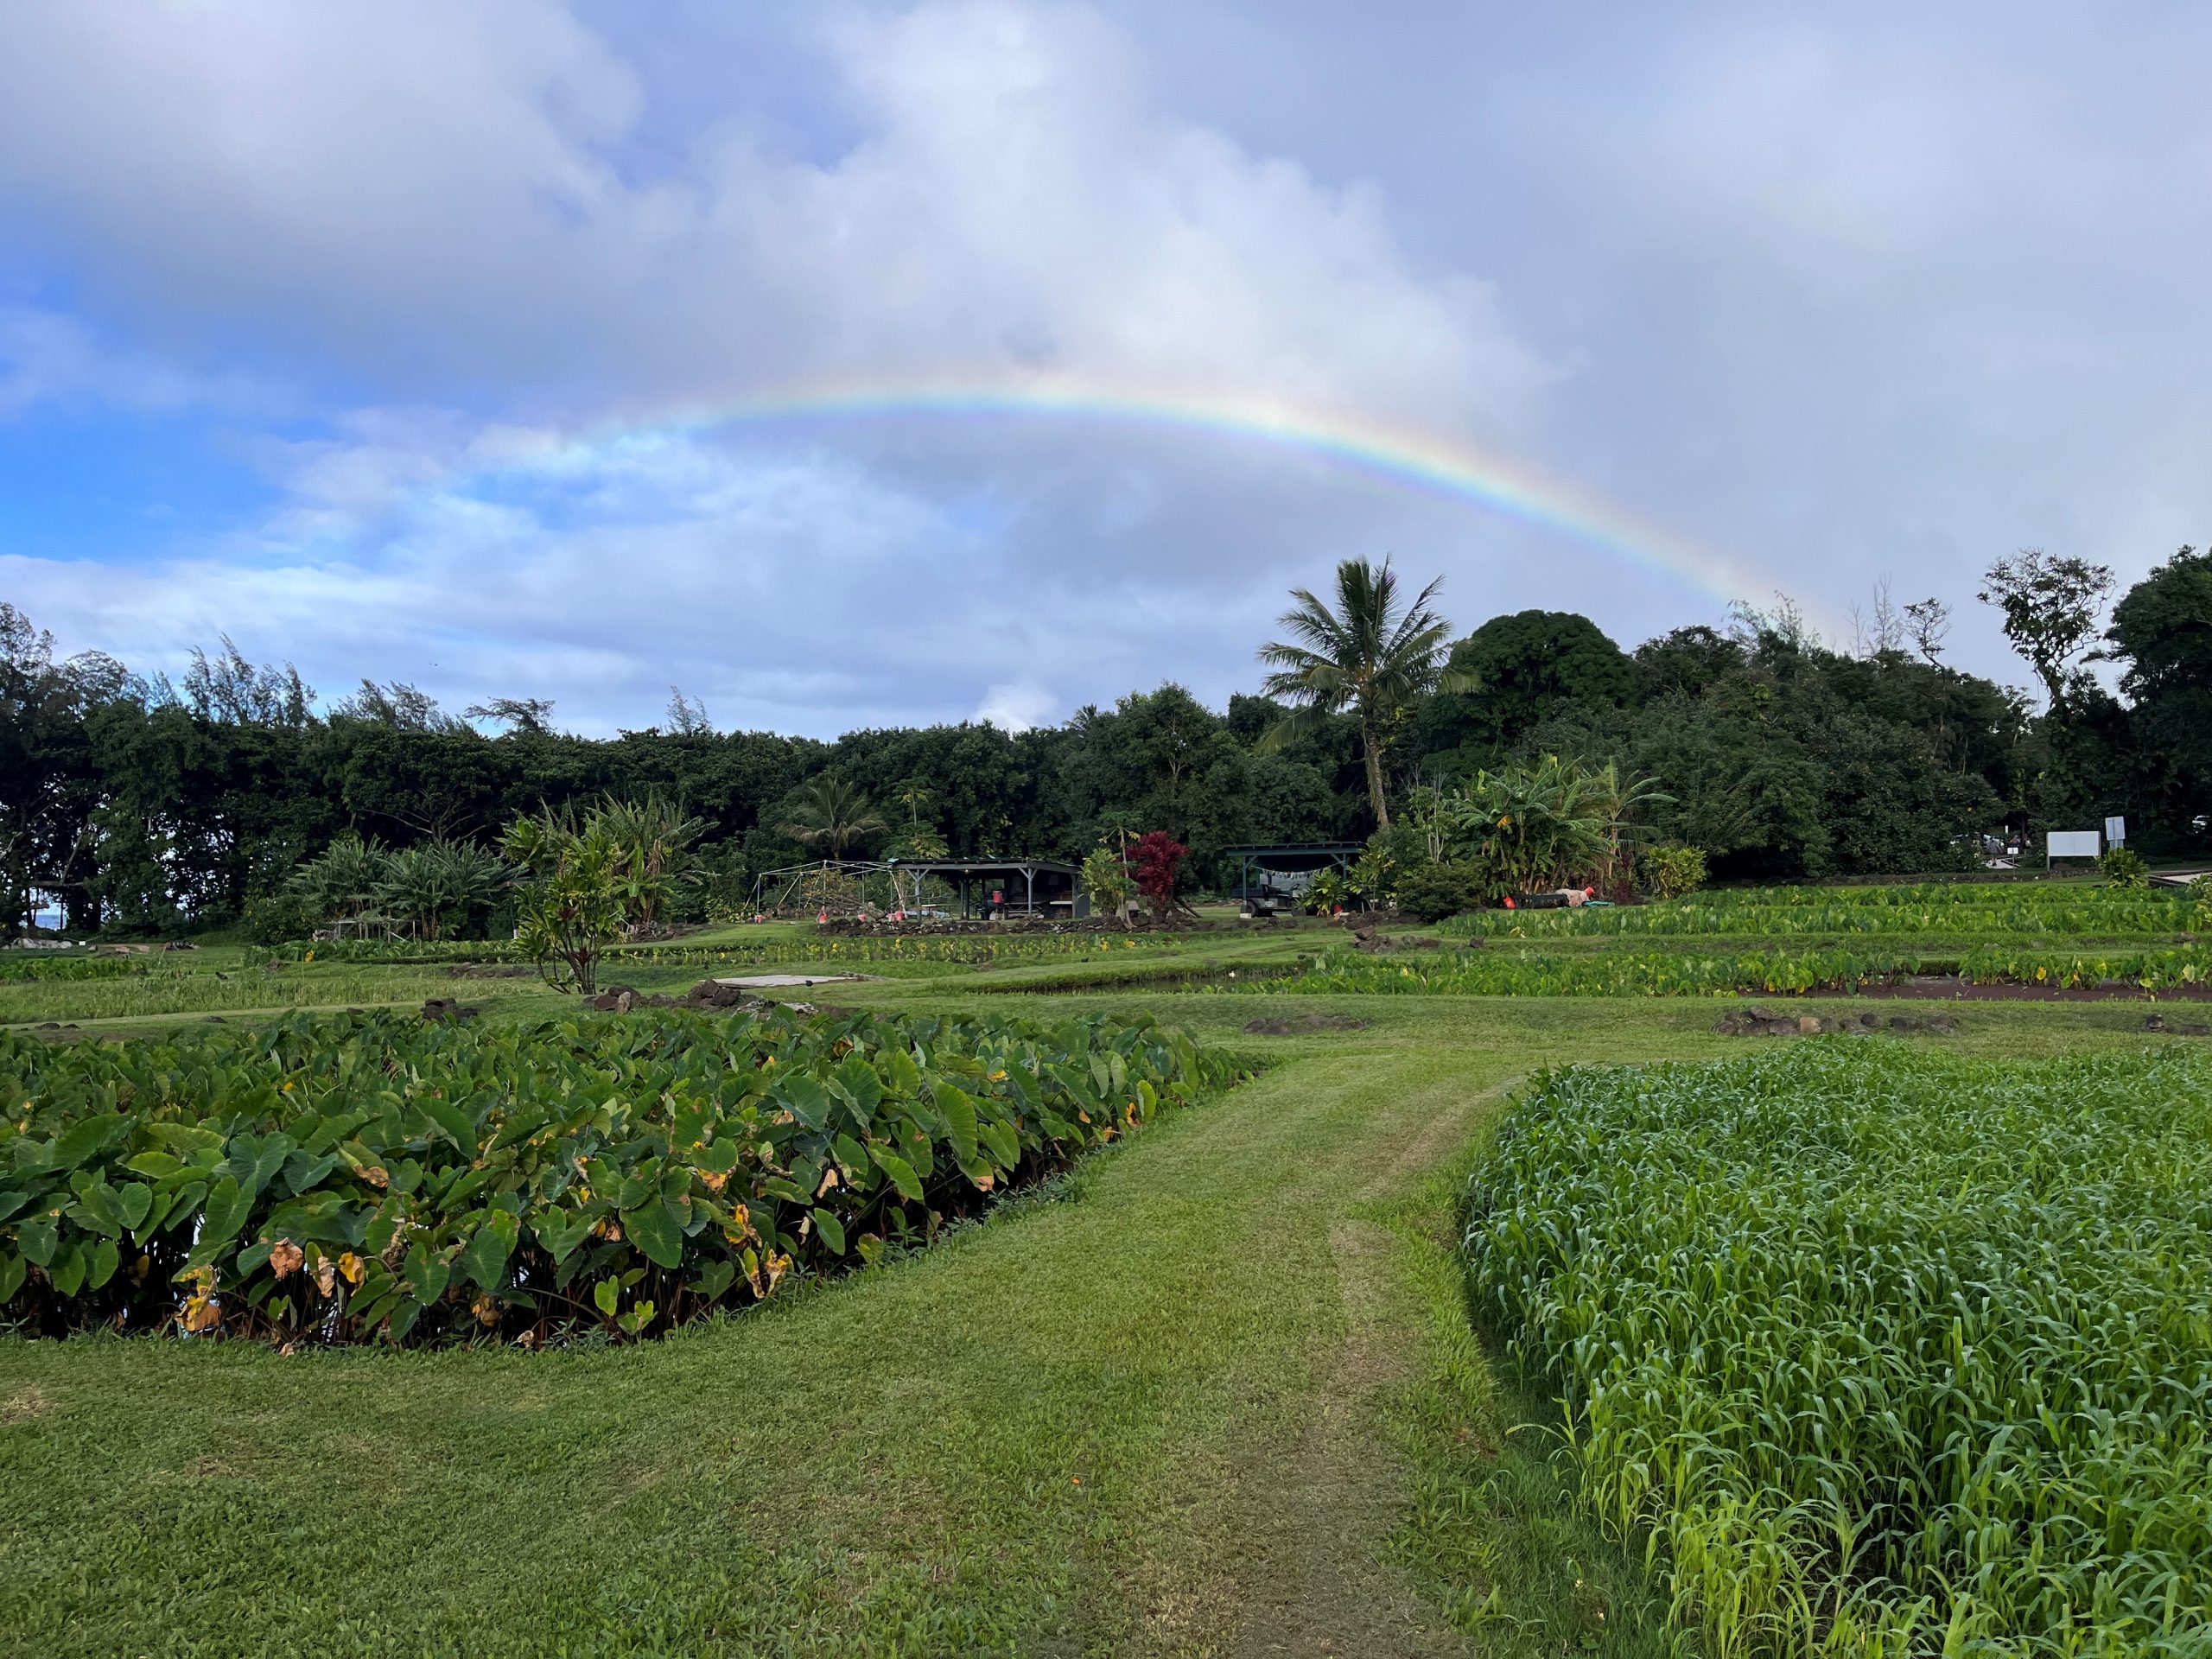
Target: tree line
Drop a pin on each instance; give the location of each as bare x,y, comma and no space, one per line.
146,805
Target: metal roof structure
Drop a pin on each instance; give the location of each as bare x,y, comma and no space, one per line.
1057,889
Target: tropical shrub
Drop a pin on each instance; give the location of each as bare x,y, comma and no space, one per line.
1107,882
1429,893
368,1176
439,883
1671,871
276,917
1153,859
573,902
2123,866
1530,828
1327,890
1884,1351
343,882
659,856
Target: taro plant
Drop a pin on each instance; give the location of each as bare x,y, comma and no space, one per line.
370,1177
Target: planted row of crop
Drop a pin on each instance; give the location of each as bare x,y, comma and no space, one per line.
1888,1352
2170,968
354,1177
1796,912
16,968
947,948
1530,973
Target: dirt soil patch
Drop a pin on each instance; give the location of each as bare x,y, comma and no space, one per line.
1761,1022
1281,1025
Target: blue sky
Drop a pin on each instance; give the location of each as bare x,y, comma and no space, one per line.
368,334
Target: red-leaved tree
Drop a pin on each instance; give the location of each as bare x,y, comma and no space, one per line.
1153,859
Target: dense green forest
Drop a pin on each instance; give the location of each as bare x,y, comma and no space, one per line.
144,805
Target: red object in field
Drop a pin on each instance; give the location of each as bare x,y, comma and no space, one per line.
1509,904
824,916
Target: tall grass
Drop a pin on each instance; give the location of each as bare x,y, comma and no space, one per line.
1887,1353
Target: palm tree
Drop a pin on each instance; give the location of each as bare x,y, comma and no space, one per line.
831,814
914,795
1369,654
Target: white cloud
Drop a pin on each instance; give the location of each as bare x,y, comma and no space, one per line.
432,193
1018,705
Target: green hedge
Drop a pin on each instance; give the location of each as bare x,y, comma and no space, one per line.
371,1176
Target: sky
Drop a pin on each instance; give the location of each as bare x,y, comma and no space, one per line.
861,364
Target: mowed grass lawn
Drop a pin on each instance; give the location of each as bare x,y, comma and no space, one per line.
1215,1394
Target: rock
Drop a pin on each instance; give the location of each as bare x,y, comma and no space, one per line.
2175,1028
443,1010
1940,1025
616,998
1758,1022
710,994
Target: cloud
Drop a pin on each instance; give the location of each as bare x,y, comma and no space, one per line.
1018,705
48,356
451,207
435,194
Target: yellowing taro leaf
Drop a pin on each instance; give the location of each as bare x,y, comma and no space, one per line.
350,1265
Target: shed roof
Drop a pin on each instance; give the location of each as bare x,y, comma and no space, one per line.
984,866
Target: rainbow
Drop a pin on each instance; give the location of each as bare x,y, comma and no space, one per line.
1403,456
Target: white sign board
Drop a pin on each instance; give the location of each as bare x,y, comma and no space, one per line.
2073,843
2115,831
